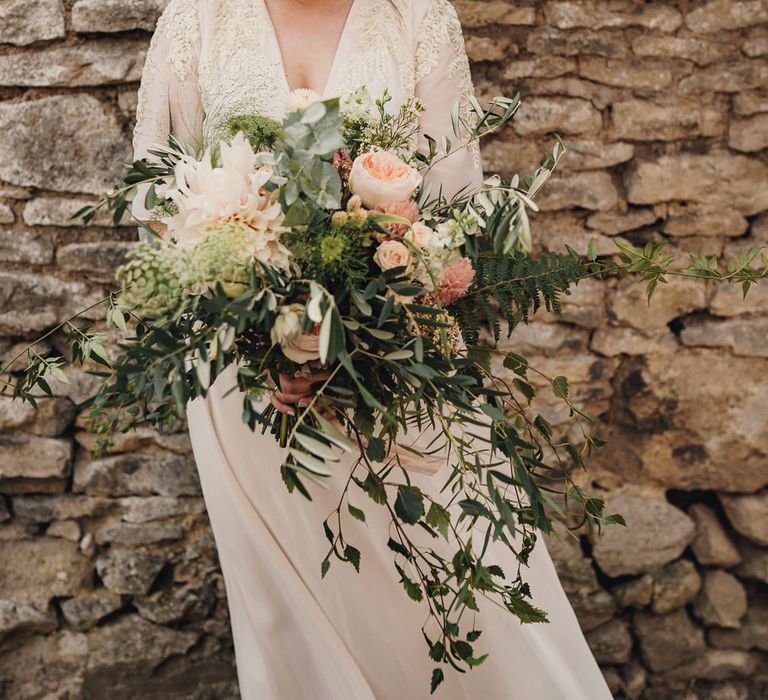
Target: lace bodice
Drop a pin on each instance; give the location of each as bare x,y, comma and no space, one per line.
211,59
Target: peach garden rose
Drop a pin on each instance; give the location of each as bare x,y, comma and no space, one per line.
391,254
381,179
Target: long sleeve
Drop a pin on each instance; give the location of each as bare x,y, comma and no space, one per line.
169,95
443,78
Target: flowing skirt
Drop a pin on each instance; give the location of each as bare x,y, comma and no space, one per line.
355,636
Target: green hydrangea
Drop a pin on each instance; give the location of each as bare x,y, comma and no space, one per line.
224,255
152,278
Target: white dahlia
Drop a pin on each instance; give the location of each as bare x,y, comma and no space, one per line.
209,197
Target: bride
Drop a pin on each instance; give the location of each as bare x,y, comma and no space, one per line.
348,636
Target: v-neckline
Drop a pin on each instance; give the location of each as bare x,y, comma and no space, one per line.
340,45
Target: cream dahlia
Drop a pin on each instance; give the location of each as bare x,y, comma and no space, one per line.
209,196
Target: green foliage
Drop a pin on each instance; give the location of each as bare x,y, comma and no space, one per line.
517,286
262,132
393,132
335,256
304,155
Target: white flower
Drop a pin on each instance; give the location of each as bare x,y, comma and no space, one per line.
357,105
208,197
303,348
420,235
381,179
449,235
288,323
300,98
286,332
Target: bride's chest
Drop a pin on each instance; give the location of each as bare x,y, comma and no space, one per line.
241,70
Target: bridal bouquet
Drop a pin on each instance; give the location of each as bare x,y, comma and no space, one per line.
315,246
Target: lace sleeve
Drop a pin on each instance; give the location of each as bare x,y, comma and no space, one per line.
169,95
442,79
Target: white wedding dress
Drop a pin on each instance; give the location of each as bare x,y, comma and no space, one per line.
349,636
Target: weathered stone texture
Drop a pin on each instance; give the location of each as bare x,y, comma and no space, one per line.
656,533
719,177
712,546
75,66
86,155
23,23
722,601
110,584
110,16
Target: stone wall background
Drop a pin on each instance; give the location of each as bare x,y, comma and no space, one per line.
109,585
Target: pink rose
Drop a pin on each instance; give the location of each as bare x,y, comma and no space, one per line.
391,254
456,282
381,179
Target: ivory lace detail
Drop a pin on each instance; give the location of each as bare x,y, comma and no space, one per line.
212,59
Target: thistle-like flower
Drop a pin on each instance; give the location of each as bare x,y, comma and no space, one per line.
152,278
225,255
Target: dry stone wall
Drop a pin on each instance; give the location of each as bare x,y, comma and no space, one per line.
109,582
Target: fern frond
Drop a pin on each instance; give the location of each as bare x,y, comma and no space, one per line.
516,286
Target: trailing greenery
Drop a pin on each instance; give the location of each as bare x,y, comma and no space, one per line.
391,359
516,286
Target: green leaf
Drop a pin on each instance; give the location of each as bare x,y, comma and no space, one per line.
493,412
376,450
472,507
411,587
324,566
519,606
353,555
325,336
399,355
543,425
437,678
316,447
314,465
437,651
461,649
374,487
332,433
409,505
418,348
360,302
356,513
380,334
395,546
439,518
560,387
525,389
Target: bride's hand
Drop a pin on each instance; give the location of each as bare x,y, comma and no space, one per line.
295,391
